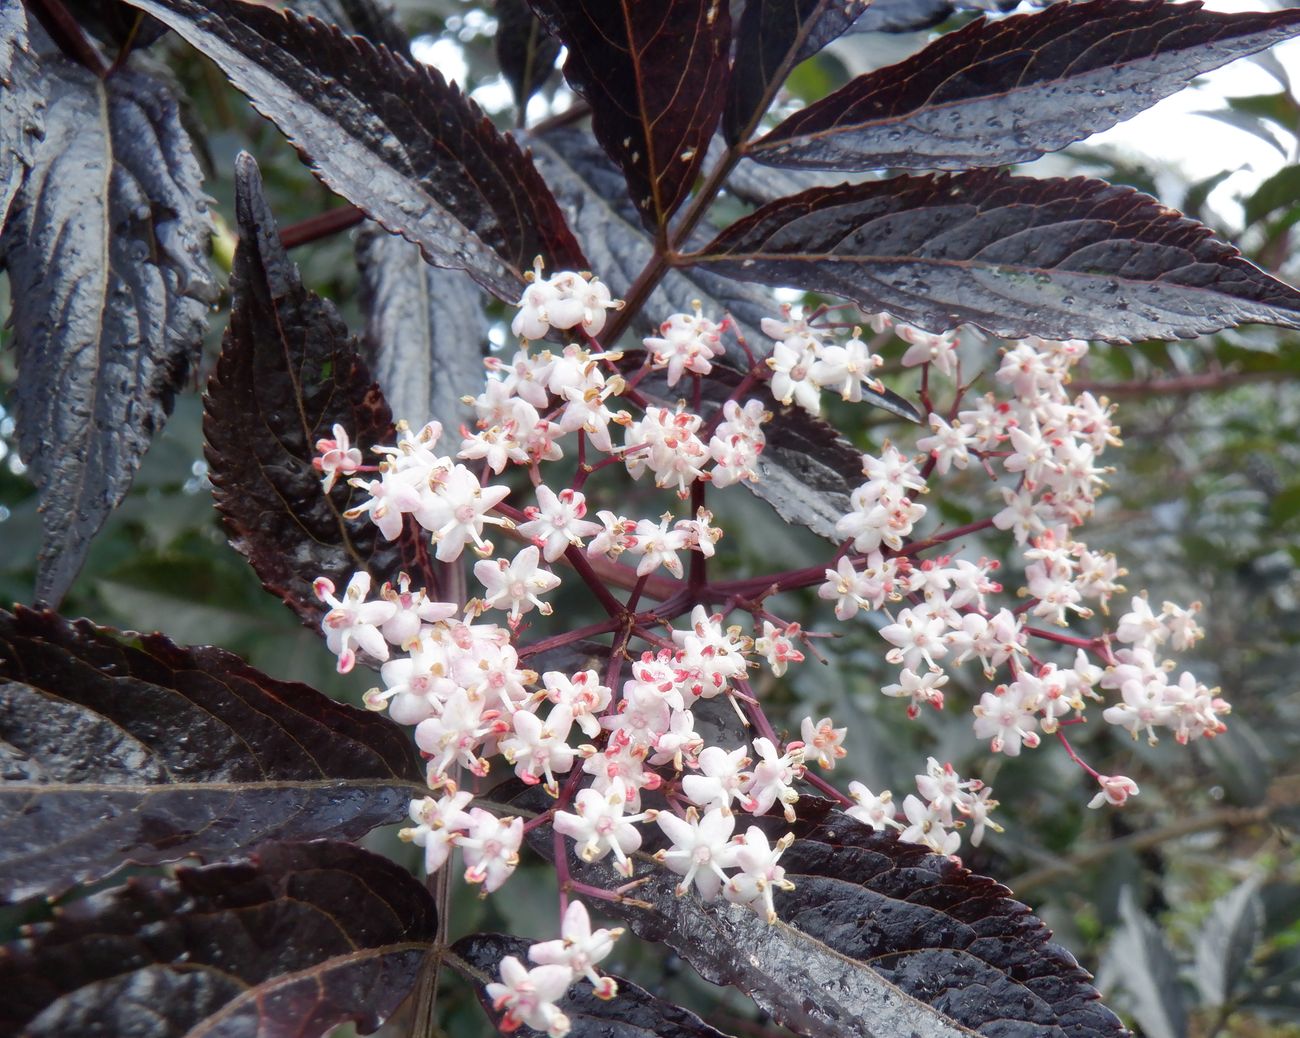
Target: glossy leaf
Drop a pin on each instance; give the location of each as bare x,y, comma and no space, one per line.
1012,255
878,938
394,139
993,93
148,752
773,36
106,248
426,331
633,1013
655,76
525,51
21,103
288,373
295,940
1227,943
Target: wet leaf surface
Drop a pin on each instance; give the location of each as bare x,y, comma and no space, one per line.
655,75
426,331
288,372
993,93
1012,255
295,940
21,103
117,751
878,938
633,1013
394,139
106,249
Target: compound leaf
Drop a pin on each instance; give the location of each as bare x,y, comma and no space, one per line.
426,331
106,248
295,940
288,372
633,1013
877,938
394,139
655,76
993,93
1015,256
146,752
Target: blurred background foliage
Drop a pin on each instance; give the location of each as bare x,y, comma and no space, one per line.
1186,903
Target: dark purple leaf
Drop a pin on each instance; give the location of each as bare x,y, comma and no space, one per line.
288,372
394,139
633,1013
21,103
426,331
146,752
292,942
525,51
655,75
106,248
879,938
1013,255
911,15
993,93
772,38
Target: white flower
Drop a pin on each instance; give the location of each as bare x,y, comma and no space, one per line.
599,825
917,635
921,687
583,694
822,741
773,779
1115,790
458,512
353,620
539,749
926,826
557,522
438,825
528,996
516,585
720,780
701,849
337,458
778,646
759,873
490,848
580,948
875,811
1007,717
686,342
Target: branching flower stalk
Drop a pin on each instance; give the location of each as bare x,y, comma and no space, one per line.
618,748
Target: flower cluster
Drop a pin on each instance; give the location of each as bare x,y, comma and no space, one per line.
661,736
